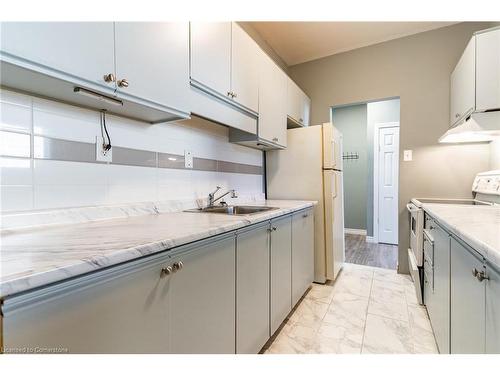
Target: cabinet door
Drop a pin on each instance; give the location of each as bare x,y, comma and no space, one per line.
467,301
302,253
281,271
306,109
126,311
244,69
84,50
203,299
153,57
211,55
272,101
488,70
462,85
252,290
439,310
294,100
492,311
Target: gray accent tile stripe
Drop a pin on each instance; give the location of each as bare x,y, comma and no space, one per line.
60,149
130,156
171,161
66,150
229,167
201,164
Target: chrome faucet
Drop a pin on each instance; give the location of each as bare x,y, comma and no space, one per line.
212,199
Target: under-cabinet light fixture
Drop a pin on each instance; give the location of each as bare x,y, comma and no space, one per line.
98,96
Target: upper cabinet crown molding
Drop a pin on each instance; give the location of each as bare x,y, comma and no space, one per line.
475,81
117,64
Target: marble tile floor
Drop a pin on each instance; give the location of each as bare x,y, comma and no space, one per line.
366,310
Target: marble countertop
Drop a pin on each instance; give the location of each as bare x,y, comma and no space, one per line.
31,257
478,226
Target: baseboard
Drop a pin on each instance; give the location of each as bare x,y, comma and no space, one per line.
361,232
371,239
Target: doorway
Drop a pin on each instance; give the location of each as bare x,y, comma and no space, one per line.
370,174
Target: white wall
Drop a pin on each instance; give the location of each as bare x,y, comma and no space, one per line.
28,183
377,112
495,154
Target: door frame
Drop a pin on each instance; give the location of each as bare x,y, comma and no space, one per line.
376,139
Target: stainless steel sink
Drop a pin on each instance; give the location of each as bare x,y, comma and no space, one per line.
233,210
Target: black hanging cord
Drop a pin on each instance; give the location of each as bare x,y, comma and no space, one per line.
106,140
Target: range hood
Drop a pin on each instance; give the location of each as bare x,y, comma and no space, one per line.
478,127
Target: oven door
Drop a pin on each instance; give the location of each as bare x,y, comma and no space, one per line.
416,232
415,273
416,251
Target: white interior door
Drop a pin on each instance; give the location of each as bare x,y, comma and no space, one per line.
388,167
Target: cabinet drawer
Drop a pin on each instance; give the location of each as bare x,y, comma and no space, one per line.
428,248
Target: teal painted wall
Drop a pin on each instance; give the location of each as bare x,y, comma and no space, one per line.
351,121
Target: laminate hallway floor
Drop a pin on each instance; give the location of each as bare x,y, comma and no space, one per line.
358,251
366,310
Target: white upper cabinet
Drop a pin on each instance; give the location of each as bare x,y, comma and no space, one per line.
298,105
272,101
475,81
80,49
488,70
244,71
462,85
211,55
152,62
137,70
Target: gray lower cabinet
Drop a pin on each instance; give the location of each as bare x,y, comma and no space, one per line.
202,296
492,286
134,308
121,310
252,289
302,253
438,303
224,294
467,301
281,271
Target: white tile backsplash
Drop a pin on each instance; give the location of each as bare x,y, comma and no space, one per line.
59,196
54,172
15,117
16,197
63,121
15,144
16,171
28,184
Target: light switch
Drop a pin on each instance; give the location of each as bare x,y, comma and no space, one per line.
408,155
188,159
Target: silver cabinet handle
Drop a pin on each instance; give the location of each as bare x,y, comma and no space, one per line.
480,275
123,83
229,93
234,95
177,266
166,271
109,77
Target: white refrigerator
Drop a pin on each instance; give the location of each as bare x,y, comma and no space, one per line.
310,168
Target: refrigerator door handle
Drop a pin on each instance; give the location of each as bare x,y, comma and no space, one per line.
334,185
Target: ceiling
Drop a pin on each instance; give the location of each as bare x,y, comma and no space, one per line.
298,42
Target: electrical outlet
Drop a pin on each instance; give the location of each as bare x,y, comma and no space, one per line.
100,155
408,155
188,159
